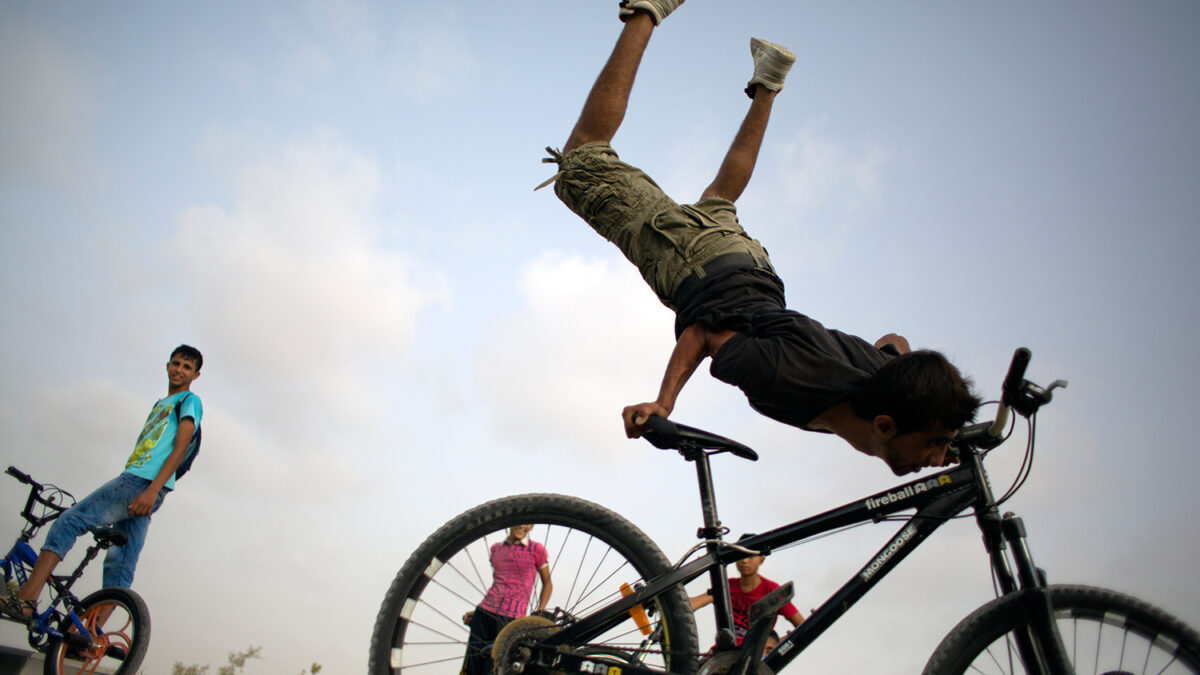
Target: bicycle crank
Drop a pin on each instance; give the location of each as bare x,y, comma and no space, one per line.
512,651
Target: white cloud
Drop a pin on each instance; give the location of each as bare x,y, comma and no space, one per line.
590,339
294,297
812,169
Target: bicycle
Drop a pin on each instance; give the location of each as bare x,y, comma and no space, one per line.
107,631
1031,627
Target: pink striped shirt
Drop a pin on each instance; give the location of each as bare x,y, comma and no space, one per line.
515,568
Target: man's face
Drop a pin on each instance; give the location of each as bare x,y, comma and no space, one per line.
181,372
909,453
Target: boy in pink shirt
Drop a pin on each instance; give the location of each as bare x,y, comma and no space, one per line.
517,562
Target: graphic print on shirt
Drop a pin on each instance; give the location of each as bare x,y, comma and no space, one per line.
156,425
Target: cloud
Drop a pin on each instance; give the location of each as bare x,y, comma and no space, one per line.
589,339
300,306
45,108
814,170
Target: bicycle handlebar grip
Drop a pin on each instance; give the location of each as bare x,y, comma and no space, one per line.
1016,373
19,475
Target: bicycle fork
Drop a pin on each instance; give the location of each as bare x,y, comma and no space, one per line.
1039,645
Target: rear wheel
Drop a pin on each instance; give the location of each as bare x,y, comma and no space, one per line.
1104,632
117,633
592,553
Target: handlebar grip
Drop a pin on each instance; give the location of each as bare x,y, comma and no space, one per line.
1016,373
19,475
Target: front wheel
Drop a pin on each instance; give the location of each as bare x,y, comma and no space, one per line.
117,625
592,553
1104,632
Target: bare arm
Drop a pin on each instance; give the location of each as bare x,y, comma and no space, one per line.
547,587
143,504
893,340
698,601
695,344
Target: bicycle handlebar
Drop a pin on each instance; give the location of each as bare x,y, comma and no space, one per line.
1016,374
45,502
1010,390
20,475
1017,394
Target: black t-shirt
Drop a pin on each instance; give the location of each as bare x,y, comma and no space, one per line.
790,367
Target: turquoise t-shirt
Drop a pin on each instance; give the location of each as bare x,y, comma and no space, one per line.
157,440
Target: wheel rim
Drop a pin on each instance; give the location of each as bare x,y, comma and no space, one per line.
111,627
587,571
1100,642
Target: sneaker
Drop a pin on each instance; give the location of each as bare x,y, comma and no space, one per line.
771,65
657,9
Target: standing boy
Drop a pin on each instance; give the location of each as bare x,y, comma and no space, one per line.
127,501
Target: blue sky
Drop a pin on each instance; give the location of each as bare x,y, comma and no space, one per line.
334,202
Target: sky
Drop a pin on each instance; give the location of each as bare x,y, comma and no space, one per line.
334,202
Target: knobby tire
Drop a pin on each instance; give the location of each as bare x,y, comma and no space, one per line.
592,551
1103,631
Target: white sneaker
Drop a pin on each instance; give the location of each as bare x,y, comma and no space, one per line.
771,65
657,9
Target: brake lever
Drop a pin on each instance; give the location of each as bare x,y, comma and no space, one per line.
1042,395
1035,396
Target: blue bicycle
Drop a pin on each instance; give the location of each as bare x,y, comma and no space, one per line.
107,631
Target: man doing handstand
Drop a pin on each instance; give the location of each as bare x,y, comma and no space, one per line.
901,406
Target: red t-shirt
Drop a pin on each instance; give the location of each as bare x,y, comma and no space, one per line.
740,602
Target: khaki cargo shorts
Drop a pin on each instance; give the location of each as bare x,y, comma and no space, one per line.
667,241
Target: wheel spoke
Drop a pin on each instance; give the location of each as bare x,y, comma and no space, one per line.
591,553
1104,633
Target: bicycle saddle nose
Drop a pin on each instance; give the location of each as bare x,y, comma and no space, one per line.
667,435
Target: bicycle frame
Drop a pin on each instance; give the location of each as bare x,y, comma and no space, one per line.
22,556
936,498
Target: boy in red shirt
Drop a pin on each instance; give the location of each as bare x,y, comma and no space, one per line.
744,591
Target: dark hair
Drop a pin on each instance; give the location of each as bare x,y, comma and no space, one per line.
918,390
189,352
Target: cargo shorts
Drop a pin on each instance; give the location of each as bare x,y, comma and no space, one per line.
668,242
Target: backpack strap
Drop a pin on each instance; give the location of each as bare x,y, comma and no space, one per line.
193,445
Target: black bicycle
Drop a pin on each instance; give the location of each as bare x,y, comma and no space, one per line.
1031,627
109,630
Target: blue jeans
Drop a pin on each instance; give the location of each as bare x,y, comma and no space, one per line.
108,505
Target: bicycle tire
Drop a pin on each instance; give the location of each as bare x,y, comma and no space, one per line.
592,551
1103,631
120,649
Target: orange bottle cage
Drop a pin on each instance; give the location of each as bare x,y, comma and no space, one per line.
637,612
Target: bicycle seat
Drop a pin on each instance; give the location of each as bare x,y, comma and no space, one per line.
108,536
667,435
